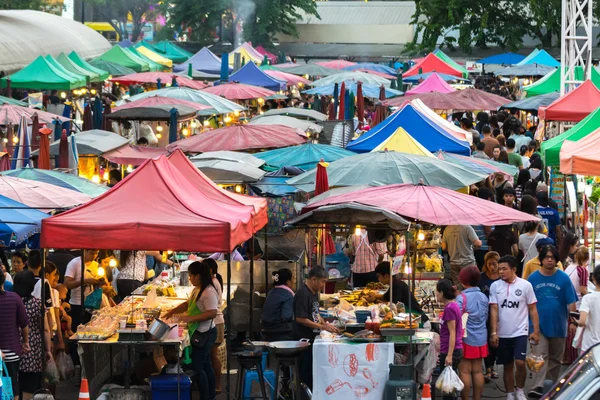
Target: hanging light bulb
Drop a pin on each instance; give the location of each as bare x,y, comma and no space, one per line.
236,113
96,178
101,271
238,188
109,77
129,168
159,135
93,91
358,230
5,140
159,128
83,90
300,84
185,132
420,236
206,123
63,95
169,252
15,139
112,263
221,186
105,175
194,124
227,120
261,101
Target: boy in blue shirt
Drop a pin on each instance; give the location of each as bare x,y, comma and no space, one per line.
556,298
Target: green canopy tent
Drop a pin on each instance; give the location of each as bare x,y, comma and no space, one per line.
62,69
171,51
148,45
551,82
154,66
103,74
444,57
42,75
551,148
8,100
121,56
70,66
113,69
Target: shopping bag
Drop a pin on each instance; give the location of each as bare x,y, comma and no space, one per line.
578,338
7,392
449,383
94,299
51,375
66,369
465,315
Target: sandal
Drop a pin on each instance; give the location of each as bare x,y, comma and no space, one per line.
494,374
488,376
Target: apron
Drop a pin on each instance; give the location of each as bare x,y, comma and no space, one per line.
192,311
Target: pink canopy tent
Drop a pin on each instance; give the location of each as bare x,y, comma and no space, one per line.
291,79
336,64
286,65
376,73
239,91
40,195
431,204
160,100
11,114
133,155
241,137
581,157
272,57
436,101
152,78
433,83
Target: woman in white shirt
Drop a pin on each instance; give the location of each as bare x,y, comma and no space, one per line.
200,318
589,315
217,281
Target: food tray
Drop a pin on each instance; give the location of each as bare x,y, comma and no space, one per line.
365,340
397,332
133,335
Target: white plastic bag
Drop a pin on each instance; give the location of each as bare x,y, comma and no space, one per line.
51,375
449,383
66,369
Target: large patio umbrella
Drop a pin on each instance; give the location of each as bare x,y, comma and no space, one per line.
43,196
484,100
63,151
305,156
307,69
437,101
44,149
431,204
389,167
87,118
360,105
97,114
173,136
22,148
241,137
8,100
226,155
300,113
357,76
342,101
11,114
336,64
372,91
336,100
479,165
287,121
160,100
325,244
291,79
134,155
35,133
18,220
229,171
57,178
380,109
153,77
239,91
106,123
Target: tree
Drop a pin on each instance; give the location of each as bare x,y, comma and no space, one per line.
22,4
200,17
545,21
117,13
270,17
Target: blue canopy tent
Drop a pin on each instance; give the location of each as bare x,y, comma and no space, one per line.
305,156
373,67
503,59
250,74
525,70
371,91
422,129
540,57
204,61
20,220
423,76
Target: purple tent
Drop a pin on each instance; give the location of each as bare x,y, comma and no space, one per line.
250,74
125,43
203,61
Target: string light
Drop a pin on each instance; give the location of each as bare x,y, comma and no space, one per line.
5,140
185,131
421,236
83,91
261,101
206,123
159,128
15,139
63,95
236,113
158,135
101,271
93,91
238,188
227,120
112,263
96,178
129,168
194,124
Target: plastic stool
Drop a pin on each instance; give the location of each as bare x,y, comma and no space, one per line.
252,376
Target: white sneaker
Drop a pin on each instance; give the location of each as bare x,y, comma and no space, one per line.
510,396
520,394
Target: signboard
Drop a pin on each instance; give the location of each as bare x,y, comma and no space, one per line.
557,188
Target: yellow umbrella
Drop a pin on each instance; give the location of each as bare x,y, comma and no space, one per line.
401,141
157,58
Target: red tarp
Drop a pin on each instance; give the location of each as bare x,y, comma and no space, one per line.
241,137
574,106
239,91
160,100
432,63
581,157
218,194
155,207
432,204
435,101
133,155
484,100
152,77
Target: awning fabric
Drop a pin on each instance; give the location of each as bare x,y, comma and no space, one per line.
581,157
540,57
203,61
42,75
250,74
402,142
502,59
171,51
121,56
551,82
133,155
432,63
574,106
157,58
434,83
84,64
155,207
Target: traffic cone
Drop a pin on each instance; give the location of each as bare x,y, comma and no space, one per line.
84,391
426,393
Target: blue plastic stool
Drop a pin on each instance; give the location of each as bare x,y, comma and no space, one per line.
252,376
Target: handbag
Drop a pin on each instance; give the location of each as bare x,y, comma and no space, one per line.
6,389
465,315
94,299
199,339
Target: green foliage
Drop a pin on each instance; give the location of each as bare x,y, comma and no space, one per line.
116,13
595,195
22,4
271,17
202,17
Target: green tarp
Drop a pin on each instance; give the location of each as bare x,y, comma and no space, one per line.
70,66
551,82
113,69
123,57
171,51
62,69
154,66
551,148
103,74
442,56
42,75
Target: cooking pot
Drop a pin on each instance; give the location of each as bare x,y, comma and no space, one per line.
289,347
158,329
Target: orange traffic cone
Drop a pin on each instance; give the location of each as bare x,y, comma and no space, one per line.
84,391
426,394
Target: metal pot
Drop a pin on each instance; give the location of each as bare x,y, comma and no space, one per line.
256,346
289,347
184,278
159,329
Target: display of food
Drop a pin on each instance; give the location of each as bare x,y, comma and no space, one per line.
162,287
360,297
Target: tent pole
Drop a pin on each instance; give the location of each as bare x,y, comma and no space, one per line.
266,257
82,297
43,310
251,300
228,336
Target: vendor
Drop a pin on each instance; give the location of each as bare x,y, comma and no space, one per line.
307,318
278,314
400,291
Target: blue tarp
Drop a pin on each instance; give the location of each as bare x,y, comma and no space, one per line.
203,61
540,57
305,156
24,222
425,75
250,74
425,131
373,67
371,91
525,70
503,59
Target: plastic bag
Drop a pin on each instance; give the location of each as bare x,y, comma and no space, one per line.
51,375
66,369
449,383
534,362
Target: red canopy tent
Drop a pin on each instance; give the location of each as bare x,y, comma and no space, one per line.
432,63
239,91
272,57
435,101
160,100
153,77
574,106
581,157
484,100
241,137
133,155
218,194
155,207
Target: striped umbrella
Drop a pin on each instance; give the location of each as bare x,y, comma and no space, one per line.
73,156
22,149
